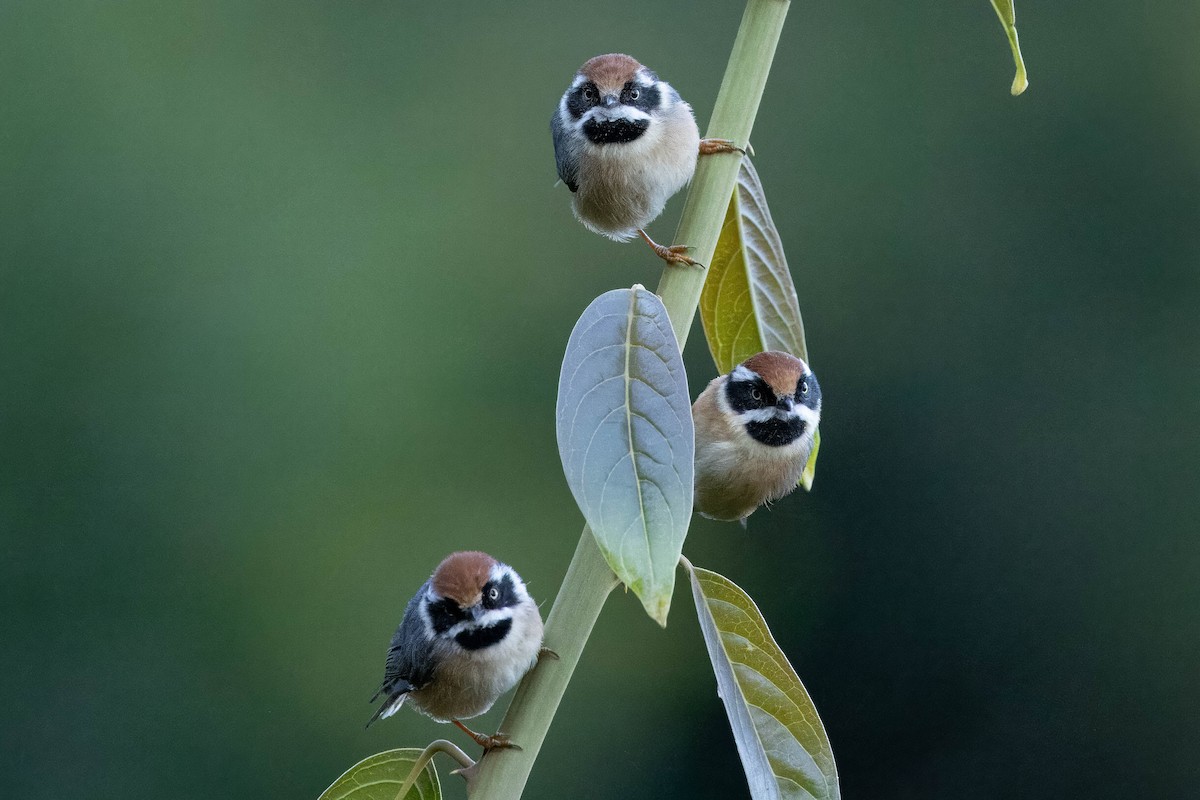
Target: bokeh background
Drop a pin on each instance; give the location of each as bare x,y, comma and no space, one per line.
283,293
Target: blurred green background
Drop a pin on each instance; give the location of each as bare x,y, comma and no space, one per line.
283,293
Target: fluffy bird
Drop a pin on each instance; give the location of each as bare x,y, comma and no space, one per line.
469,635
624,143
754,434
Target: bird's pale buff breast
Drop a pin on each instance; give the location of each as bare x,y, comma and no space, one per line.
624,187
468,682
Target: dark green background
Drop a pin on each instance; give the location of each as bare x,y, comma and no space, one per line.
283,293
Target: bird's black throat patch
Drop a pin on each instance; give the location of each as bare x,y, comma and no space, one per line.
615,131
479,638
777,432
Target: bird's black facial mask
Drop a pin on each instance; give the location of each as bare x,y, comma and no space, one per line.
811,397
749,395
499,593
582,99
445,614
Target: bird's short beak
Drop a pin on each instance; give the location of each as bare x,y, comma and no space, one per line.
786,403
610,101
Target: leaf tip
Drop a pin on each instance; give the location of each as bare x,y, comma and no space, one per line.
658,608
1020,83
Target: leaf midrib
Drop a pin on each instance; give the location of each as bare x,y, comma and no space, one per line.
629,432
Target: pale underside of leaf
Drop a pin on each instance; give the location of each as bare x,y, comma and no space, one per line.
779,736
380,776
1008,18
626,439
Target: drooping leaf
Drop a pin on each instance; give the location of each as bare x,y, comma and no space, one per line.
749,302
1008,18
626,439
380,776
779,736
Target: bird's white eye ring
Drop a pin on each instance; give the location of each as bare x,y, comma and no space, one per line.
635,94
588,94
803,387
493,594
756,394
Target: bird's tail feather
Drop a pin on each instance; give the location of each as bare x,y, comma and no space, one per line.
389,706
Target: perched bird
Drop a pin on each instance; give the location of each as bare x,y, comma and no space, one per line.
625,142
754,434
467,636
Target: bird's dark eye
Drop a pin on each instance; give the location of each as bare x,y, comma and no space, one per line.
803,387
588,94
756,395
493,594
634,94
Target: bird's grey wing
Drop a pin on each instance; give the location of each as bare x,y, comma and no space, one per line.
566,157
408,660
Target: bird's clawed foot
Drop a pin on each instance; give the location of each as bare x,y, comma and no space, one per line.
675,254
498,742
709,147
546,652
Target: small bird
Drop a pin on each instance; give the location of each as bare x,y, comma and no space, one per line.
469,635
625,142
754,434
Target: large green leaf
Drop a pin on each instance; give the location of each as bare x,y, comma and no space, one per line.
779,736
749,303
625,435
380,776
1008,18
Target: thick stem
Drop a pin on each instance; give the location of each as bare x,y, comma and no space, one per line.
712,186
502,774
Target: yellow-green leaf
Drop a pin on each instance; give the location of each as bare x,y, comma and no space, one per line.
1008,18
810,469
780,738
380,776
749,303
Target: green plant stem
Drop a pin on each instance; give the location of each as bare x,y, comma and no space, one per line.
435,747
502,774
712,186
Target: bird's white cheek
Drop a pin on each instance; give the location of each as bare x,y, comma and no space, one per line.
513,657
620,113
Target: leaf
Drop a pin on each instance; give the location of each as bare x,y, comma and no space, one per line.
810,469
779,736
749,303
380,776
626,439
1008,18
